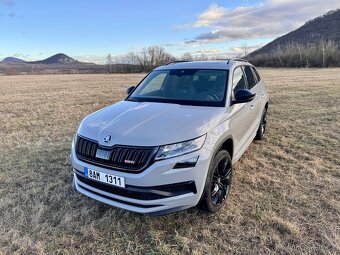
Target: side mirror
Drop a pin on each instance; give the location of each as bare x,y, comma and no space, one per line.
129,90
243,96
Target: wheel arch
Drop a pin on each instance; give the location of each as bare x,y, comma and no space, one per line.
228,145
225,144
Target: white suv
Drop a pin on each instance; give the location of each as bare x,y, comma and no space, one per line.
171,143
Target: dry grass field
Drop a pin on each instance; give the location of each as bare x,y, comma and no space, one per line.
284,200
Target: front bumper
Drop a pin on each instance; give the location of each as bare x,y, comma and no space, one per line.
159,189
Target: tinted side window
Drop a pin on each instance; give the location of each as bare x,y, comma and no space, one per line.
239,81
257,74
250,77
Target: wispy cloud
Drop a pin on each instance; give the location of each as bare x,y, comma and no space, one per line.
12,15
237,51
21,55
270,18
245,49
8,3
91,59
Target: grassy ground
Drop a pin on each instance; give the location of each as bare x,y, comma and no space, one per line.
285,197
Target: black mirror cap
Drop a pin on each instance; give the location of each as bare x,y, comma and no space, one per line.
243,96
129,90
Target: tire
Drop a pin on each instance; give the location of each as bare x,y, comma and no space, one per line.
218,183
263,125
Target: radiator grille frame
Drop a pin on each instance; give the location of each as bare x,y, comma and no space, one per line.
133,159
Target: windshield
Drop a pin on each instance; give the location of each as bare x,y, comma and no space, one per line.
183,86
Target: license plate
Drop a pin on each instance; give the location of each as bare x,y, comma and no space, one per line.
103,177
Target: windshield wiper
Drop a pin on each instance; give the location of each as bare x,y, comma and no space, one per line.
133,100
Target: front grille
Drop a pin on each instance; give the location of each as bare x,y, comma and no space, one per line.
118,157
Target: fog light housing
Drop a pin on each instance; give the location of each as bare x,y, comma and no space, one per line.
191,162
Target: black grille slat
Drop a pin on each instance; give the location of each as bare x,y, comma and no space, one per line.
80,143
119,154
115,154
140,156
135,153
121,157
144,156
85,147
88,149
93,150
77,145
128,156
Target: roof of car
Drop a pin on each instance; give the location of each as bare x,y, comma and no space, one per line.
211,64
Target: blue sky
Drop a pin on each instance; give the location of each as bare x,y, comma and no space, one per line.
89,30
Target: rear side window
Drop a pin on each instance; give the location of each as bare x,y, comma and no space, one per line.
250,77
239,81
256,74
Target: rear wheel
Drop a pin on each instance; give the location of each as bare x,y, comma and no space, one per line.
218,183
263,125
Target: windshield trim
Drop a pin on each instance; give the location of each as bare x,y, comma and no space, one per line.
221,103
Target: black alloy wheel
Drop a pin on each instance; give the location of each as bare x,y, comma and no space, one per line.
218,183
221,181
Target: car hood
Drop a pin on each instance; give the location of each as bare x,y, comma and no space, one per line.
149,123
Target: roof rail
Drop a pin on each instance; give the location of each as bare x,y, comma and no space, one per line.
237,59
176,61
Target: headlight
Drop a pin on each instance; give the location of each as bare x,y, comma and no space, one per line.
177,149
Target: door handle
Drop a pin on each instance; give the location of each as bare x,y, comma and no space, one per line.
262,95
251,107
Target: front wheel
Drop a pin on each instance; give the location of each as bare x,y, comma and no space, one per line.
218,183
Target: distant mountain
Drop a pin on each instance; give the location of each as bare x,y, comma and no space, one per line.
59,58
326,27
12,60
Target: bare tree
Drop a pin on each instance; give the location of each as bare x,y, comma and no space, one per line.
145,60
187,57
109,62
245,50
315,54
201,57
300,54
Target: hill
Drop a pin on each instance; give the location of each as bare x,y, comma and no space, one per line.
59,58
12,60
323,28
57,64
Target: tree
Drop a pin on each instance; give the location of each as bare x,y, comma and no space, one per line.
187,57
109,62
145,60
201,57
245,50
